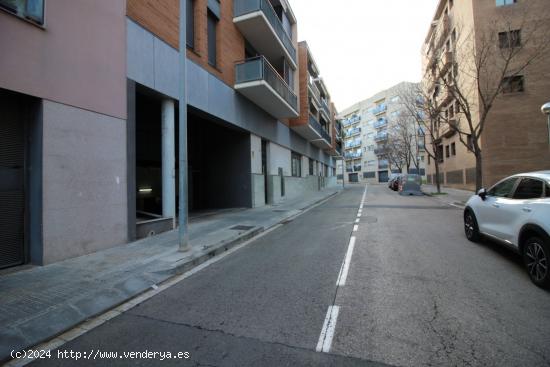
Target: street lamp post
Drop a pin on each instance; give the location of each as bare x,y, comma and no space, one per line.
545,109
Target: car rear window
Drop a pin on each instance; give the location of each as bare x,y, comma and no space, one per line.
529,188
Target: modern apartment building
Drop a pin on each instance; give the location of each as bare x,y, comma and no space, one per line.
88,119
367,128
515,136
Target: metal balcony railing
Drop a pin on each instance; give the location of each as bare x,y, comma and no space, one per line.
351,120
379,109
242,7
381,136
355,155
319,129
352,132
325,107
258,68
381,122
314,89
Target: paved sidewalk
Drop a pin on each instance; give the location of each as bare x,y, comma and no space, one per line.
40,303
454,197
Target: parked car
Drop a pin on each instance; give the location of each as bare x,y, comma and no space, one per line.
410,184
516,213
393,181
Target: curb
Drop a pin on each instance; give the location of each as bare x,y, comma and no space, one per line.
54,340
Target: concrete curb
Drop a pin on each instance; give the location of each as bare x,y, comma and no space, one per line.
165,276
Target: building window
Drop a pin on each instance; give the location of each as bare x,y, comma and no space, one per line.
190,23
470,142
311,167
513,84
212,44
505,2
296,164
447,154
509,39
32,10
439,153
453,149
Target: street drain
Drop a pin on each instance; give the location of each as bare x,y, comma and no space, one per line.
241,228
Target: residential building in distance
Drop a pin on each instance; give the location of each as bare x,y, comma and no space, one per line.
515,135
89,135
367,130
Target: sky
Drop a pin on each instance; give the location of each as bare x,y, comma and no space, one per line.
364,46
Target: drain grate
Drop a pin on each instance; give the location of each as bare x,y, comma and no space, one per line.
241,228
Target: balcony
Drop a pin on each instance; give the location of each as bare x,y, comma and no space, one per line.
260,25
258,81
322,138
449,129
353,155
356,168
446,63
380,123
314,91
444,99
381,108
325,109
381,151
353,144
383,136
353,132
383,164
351,120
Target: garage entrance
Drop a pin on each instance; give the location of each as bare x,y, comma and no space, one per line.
14,114
219,164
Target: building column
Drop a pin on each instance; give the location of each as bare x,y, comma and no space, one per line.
168,161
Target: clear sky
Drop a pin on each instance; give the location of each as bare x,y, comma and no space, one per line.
364,46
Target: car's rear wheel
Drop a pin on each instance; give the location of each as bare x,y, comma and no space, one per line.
536,252
471,228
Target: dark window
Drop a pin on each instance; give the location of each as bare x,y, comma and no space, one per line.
547,191
311,167
190,22
429,160
453,149
529,188
513,84
296,164
470,142
439,154
447,154
509,39
32,10
503,189
212,27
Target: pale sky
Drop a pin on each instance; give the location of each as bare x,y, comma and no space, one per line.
364,46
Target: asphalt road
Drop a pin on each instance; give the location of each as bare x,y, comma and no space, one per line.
407,290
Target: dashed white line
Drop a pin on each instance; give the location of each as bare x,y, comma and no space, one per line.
355,228
357,220
347,261
327,333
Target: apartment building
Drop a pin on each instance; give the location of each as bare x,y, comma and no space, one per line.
88,135
514,138
367,128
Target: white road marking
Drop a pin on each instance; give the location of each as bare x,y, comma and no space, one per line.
327,333
347,261
357,220
355,228
359,215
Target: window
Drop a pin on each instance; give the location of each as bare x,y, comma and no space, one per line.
529,188
470,142
547,189
190,22
513,84
212,27
311,167
439,153
509,39
503,189
505,2
32,10
296,164
453,149
447,151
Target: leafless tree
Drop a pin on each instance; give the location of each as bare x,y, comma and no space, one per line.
491,61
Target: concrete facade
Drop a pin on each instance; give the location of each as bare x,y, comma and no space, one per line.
360,142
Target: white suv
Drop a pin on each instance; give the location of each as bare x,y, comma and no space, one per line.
516,212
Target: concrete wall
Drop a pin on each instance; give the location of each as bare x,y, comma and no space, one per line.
153,63
278,157
258,193
77,59
255,154
84,188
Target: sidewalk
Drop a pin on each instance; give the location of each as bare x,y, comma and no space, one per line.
40,303
453,197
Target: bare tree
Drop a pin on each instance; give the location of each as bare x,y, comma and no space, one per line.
492,61
417,106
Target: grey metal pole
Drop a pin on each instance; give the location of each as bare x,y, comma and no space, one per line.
168,161
545,109
343,173
183,199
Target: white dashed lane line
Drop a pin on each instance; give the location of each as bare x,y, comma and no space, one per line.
329,326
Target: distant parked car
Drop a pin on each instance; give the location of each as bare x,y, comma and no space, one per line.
516,213
393,181
410,184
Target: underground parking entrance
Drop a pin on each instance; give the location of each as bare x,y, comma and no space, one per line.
219,164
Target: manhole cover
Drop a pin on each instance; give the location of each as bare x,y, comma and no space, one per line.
242,228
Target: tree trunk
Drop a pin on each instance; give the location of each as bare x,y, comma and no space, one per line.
479,171
437,183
